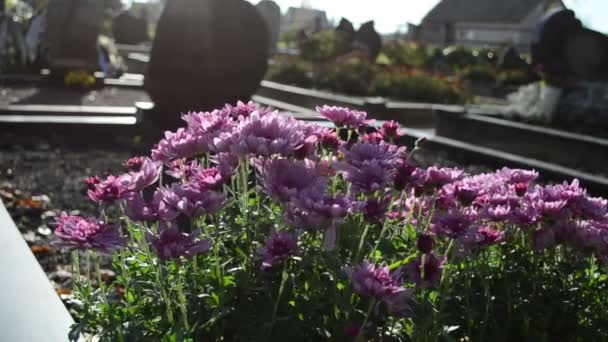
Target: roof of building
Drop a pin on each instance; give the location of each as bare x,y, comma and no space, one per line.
484,11
297,11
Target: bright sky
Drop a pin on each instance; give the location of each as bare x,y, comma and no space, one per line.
391,15
388,14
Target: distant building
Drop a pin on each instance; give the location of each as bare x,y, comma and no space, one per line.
301,18
477,23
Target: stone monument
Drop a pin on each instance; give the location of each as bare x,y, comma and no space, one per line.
129,29
73,28
368,40
206,53
567,51
574,63
271,12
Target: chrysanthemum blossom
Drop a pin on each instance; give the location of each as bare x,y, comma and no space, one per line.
181,168
171,244
391,130
280,247
148,174
365,153
262,136
438,177
138,209
241,110
207,125
188,200
283,179
329,140
110,190
135,163
366,179
207,179
180,144
370,281
342,116
311,213
80,233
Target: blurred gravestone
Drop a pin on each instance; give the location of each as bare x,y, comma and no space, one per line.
271,12
569,52
368,40
206,53
129,29
346,35
73,28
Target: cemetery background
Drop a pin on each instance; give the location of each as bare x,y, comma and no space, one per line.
45,174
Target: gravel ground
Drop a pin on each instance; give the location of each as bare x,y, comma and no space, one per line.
36,183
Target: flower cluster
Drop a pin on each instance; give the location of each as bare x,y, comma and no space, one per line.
242,194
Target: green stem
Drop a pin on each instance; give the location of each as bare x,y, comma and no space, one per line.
361,243
76,268
182,299
367,315
277,302
161,288
100,281
384,228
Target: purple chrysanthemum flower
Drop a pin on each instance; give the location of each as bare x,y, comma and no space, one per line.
408,175
465,194
365,153
370,281
280,247
498,213
550,208
563,192
172,244
316,214
520,189
453,223
329,140
366,179
182,169
283,179
307,150
432,271
515,176
207,179
207,125
490,236
262,136
438,177
391,130
241,110
146,176
342,116
181,144
373,209
92,181
373,137
594,208
135,163
110,190
80,233
137,209
188,200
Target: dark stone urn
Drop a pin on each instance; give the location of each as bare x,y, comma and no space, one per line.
206,53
